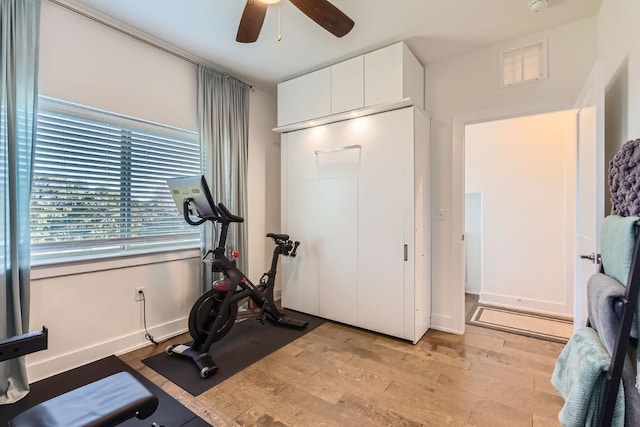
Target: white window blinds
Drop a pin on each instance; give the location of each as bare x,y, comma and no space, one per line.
99,183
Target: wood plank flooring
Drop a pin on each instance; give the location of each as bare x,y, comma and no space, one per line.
337,375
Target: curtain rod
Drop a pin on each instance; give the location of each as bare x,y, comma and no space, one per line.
141,39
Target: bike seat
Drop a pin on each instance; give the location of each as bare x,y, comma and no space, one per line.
278,236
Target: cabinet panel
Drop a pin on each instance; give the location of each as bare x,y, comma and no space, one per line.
413,78
323,152
300,274
347,85
383,75
387,145
337,210
381,264
304,98
354,210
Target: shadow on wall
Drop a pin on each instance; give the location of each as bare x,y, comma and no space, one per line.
616,113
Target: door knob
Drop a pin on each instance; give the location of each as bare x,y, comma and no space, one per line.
593,257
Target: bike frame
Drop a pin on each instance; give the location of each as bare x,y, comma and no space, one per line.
243,286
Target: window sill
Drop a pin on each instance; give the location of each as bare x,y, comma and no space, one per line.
59,268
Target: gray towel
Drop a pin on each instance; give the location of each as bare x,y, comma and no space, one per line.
602,292
580,376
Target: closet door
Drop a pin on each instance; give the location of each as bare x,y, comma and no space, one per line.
381,253
300,274
385,214
337,168
337,210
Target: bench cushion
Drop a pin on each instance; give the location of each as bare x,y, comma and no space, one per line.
105,402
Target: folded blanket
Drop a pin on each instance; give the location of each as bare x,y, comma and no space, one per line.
624,179
580,376
618,236
602,292
617,240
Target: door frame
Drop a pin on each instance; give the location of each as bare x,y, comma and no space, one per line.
591,97
457,319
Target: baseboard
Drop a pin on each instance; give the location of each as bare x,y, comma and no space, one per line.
444,323
526,304
45,368
277,294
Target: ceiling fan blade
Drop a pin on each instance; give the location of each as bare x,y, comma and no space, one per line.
326,15
251,21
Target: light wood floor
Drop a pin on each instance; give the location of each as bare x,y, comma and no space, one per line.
337,375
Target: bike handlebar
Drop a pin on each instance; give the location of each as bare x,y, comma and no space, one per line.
222,214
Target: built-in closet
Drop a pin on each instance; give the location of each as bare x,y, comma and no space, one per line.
355,193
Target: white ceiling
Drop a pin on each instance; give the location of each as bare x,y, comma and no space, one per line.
433,29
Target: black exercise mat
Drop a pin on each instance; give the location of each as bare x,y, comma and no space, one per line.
170,412
245,344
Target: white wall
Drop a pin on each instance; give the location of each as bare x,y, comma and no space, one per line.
465,89
263,182
89,307
525,170
618,42
88,63
619,54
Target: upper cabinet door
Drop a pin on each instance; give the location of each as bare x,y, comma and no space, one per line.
391,74
383,75
347,85
304,98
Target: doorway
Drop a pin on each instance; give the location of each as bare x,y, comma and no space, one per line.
520,211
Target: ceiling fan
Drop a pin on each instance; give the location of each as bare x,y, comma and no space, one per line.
322,12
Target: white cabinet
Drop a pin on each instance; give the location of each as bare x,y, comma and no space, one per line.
393,73
305,98
383,76
347,85
354,194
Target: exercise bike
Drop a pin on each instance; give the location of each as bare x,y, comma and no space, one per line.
215,312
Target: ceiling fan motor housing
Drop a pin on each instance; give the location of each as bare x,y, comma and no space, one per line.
537,5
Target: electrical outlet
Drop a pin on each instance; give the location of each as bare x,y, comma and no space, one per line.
139,293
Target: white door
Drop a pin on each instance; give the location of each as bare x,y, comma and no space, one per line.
337,213
590,188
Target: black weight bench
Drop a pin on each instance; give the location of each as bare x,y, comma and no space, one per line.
105,402
102,403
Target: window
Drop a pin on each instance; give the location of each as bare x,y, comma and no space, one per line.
524,64
99,184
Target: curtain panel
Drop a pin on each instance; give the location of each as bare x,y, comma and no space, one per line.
223,121
19,41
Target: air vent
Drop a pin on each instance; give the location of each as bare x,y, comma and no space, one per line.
524,64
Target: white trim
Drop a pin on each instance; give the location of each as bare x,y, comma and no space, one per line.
347,115
59,269
457,187
445,323
120,345
534,305
56,105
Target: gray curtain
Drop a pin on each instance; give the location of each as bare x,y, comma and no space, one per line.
19,40
223,117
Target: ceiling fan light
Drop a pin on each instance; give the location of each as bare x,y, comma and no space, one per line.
537,5
269,1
